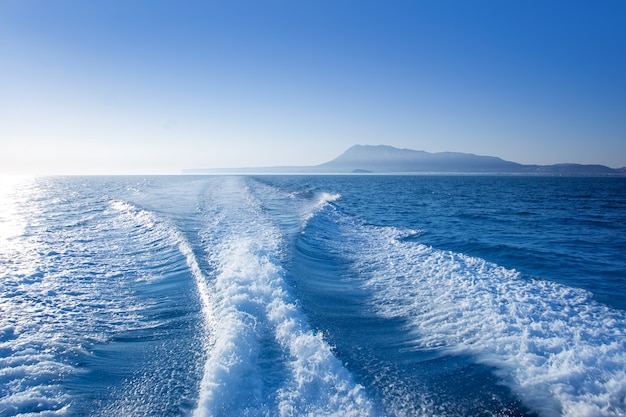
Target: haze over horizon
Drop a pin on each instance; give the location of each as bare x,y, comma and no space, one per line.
157,87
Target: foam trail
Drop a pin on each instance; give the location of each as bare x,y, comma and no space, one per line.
56,301
321,201
67,283
161,227
263,357
562,353
291,210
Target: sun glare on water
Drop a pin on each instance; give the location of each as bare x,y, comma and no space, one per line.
13,192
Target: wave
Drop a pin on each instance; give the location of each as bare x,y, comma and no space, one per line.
241,296
263,357
561,353
319,202
69,286
178,356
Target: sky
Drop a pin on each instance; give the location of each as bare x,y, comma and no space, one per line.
156,86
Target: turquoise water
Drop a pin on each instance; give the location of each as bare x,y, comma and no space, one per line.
313,295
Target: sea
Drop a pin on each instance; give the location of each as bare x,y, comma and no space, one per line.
354,295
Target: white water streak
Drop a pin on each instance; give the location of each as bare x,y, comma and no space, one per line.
253,311
562,353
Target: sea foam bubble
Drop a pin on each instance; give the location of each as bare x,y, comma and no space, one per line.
263,357
561,352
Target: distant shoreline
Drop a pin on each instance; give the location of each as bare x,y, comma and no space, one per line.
416,174
387,160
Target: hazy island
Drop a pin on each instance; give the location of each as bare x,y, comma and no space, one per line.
366,159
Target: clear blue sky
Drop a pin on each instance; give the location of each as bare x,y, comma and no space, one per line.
153,86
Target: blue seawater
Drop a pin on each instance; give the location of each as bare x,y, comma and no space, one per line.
313,295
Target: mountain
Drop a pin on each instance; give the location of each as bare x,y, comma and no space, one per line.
387,159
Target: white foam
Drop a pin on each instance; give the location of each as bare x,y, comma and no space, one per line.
562,353
255,321
65,288
322,200
295,209
328,198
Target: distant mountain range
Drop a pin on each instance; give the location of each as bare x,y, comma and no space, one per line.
387,159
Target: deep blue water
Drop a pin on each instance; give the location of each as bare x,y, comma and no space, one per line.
313,295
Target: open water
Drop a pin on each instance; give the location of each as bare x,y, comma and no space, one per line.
313,295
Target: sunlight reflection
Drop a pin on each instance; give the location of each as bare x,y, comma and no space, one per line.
14,191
